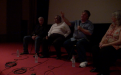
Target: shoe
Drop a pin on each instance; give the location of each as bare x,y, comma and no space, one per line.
83,64
24,53
94,70
103,74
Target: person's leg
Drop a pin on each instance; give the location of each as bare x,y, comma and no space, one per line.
38,41
103,58
107,58
81,51
96,60
46,43
69,46
57,45
95,55
45,50
26,39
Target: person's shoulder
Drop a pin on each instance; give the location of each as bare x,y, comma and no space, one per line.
89,21
112,25
37,25
54,24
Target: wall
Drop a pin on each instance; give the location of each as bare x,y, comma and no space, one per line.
3,16
19,17
100,9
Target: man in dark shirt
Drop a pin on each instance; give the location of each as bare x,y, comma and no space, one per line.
39,32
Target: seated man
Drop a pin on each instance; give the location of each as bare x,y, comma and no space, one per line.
56,36
39,32
82,31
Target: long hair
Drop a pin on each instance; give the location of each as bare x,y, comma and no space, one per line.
117,15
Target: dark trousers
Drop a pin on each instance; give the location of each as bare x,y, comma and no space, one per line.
27,39
81,47
104,58
56,40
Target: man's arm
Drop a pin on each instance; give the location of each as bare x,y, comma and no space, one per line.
84,30
64,19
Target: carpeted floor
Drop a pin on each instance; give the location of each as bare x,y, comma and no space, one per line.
45,66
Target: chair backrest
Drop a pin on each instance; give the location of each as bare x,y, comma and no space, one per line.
98,32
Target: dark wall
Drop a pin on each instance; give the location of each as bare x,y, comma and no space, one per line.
42,9
18,28
14,16
99,31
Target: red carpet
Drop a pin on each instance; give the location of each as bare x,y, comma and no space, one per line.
45,66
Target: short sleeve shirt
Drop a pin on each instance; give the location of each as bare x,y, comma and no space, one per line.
77,35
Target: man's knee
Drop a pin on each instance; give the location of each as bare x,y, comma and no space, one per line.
37,38
26,38
82,42
66,43
79,43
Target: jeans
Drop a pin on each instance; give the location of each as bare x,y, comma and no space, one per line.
81,46
26,40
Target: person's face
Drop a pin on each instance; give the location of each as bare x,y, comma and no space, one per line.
41,21
84,16
56,19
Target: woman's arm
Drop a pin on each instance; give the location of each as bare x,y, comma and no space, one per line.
104,38
118,42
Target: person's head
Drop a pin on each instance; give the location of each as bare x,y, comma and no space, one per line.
57,19
85,15
41,20
116,17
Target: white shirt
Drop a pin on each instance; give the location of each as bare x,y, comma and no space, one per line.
61,28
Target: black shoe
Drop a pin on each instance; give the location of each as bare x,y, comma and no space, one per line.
44,56
94,70
24,53
103,74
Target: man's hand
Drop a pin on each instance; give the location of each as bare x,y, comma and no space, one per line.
79,28
62,14
33,37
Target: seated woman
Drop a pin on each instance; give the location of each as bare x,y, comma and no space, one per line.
105,54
